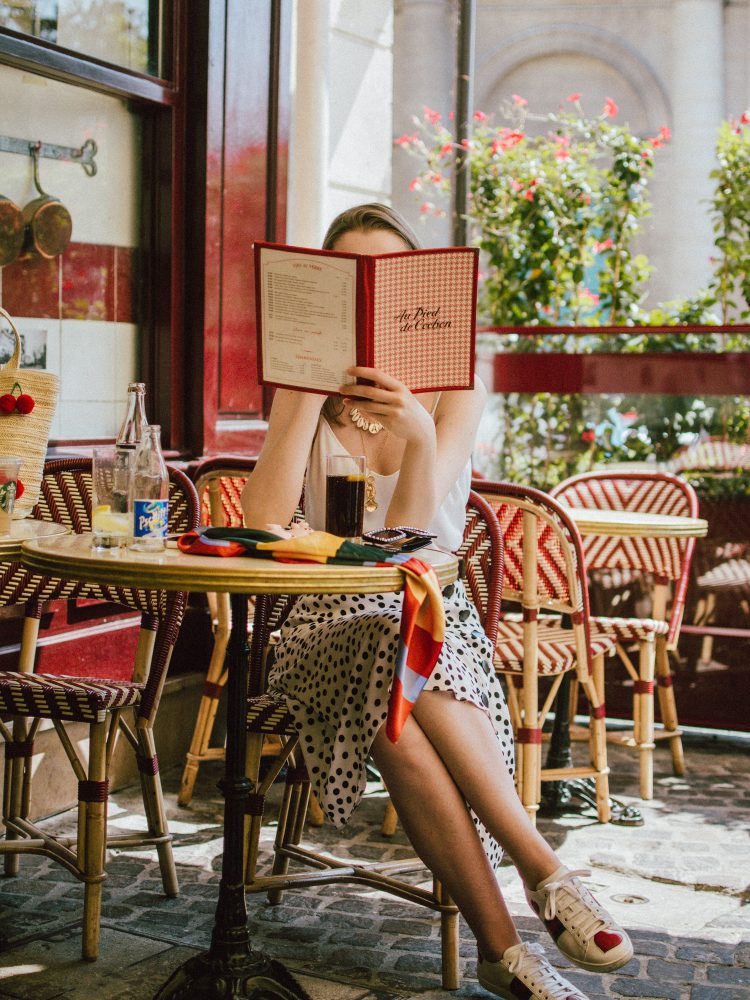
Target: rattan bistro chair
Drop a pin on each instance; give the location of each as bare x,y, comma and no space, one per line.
28,698
658,562
219,483
481,556
543,571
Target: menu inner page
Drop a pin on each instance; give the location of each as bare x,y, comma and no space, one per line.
308,305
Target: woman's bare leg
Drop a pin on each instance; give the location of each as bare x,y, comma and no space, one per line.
434,815
463,737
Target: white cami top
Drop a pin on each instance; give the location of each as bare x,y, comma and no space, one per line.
447,524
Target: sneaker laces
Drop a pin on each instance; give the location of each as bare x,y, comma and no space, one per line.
566,895
532,968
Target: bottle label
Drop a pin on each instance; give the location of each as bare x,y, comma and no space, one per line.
150,518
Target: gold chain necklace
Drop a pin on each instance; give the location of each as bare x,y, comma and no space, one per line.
371,493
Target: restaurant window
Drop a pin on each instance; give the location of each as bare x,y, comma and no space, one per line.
133,34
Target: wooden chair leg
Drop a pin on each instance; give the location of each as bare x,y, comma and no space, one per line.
216,677
92,836
449,940
288,824
255,805
153,804
644,733
598,746
668,705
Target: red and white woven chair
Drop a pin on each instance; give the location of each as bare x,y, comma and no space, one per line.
663,561
219,483
543,571
27,698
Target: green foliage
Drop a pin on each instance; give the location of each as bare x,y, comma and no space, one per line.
731,219
555,204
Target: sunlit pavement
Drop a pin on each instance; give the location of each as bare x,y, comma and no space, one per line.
679,883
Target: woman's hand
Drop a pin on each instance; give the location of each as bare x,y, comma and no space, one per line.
390,402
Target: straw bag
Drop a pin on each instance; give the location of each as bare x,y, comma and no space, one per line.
25,435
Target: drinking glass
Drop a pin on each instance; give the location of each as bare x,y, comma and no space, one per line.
9,468
345,495
111,516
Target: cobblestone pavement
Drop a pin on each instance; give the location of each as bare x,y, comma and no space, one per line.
679,884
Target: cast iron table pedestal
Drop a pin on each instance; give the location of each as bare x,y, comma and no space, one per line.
231,969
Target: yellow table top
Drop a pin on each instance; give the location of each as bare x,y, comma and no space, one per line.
23,530
73,558
594,521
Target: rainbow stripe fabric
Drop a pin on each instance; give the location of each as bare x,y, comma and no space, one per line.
422,628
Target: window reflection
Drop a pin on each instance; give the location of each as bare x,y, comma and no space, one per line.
124,32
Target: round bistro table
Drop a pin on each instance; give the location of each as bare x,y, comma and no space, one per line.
230,968
23,531
614,524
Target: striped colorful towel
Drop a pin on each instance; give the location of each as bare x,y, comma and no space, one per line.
422,616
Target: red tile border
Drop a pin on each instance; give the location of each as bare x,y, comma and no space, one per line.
31,287
88,282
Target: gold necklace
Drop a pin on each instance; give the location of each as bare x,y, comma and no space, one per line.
358,418
371,493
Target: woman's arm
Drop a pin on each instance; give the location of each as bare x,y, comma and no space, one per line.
435,452
274,488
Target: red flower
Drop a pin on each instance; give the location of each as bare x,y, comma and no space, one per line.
415,185
665,133
520,101
589,435
445,149
529,195
516,185
404,139
562,154
433,117
744,118
426,207
480,116
610,108
574,97
604,245
656,142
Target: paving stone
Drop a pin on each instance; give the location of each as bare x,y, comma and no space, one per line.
731,976
642,988
708,954
717,993
674,972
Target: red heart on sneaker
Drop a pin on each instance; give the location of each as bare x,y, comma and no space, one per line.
606,941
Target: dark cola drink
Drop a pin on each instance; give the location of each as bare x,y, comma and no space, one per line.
345,505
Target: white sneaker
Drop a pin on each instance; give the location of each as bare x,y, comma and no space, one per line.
579,925
523,973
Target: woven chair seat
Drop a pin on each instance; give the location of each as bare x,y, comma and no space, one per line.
77,699
628,629
734,574
269,715
556,647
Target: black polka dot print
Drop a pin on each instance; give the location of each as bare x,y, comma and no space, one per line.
334,664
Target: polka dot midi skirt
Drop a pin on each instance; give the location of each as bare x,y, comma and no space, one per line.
334,664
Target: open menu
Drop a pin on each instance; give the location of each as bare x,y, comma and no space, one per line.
411,314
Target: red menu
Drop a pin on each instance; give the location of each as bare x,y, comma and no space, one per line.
411,314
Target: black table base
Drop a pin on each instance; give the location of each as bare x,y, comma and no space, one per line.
231,970
578,793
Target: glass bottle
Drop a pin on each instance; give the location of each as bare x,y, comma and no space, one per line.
150,493
132,428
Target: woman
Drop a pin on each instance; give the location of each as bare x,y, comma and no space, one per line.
335,658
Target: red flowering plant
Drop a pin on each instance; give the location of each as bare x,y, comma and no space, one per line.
556,202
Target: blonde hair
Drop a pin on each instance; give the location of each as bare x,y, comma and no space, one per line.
364,218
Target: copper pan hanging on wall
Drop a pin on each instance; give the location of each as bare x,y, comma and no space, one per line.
11,230
48,224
